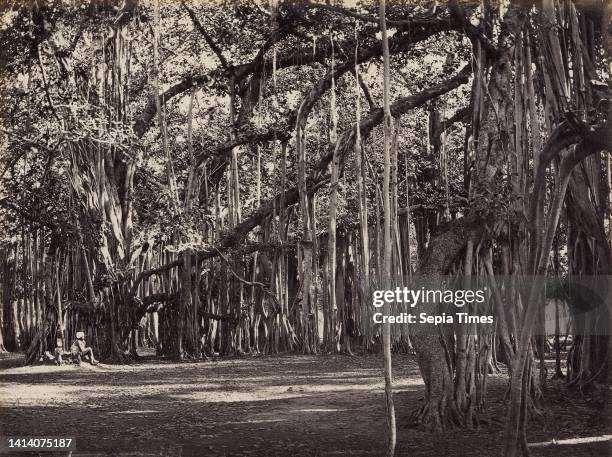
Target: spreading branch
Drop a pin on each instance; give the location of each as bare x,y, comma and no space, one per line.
318,176
224,149
143,122
460,116
400,42
198,25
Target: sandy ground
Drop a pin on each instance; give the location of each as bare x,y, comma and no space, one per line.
265,406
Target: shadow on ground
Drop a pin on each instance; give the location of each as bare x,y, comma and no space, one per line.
272,406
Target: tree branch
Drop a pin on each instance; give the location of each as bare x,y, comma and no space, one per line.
142,124
366,92
471,31
400,42
275,132
207,38
318,176
459,116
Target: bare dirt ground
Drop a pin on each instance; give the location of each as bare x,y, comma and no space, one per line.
266,406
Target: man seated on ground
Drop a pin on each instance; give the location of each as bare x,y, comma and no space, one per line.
80,351
59,351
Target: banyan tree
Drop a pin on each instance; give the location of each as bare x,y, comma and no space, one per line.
221,179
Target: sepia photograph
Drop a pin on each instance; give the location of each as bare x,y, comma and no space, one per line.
286,228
